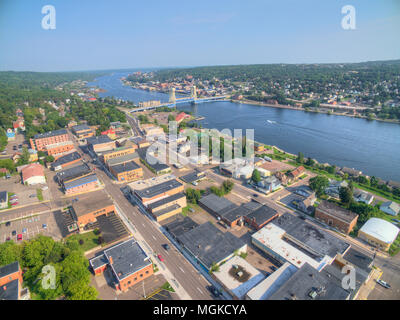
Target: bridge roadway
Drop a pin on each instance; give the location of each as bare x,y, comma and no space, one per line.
181,101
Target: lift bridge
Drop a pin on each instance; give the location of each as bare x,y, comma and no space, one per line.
173,101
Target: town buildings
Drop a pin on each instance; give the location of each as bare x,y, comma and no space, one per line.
65,161
60,148
379,233
40,141
335,216
82,131
11,283
390,207
81,185
127,171
100,143
127,261
33,174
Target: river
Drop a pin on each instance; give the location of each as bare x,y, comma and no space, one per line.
370,146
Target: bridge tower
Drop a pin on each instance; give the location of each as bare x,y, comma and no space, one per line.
172,97
193,92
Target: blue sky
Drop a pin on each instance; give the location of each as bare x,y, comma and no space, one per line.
99,34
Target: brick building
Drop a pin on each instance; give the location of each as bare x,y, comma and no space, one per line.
118,152
336,216
80,185
101,143
57,149
83,131
167,207
40,141
87,210
128,171
128,262
11,281
66,161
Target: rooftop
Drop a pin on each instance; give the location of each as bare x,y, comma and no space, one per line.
66,159
125,167
3,196
73,172
337,211
128,257
158,189
218,205
9,269
262,214
227,275
96,201
309,284
32,170
50,134
80,181
312,237
81,127
98,140
380,229
144,184
209,244
166,200
10,291
192,177
179,225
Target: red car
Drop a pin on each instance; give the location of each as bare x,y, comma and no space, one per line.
160,258
19,237
14,204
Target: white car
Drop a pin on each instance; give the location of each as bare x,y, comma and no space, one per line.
383,283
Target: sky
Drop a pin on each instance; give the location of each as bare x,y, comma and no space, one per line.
119,34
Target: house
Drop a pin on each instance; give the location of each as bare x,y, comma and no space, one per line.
181,116
351,172
334,188
379,233
362,196
296,173
127,261
307,205
3,199
391,208
33,174
10,135
33,155
335,216
258,147
283,178
269,184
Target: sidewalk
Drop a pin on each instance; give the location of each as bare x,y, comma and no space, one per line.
179,290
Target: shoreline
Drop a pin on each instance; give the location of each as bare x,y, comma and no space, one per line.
281,106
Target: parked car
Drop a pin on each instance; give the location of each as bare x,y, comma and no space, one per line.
194,183
32,196
24,230
44,226
160,258
383,283
13,200
14,148
8,223
166,246
8,239
14,233
255,195
14,203
13,196
214,291
19,237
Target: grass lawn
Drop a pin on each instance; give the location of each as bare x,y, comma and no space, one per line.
167,286
90,240
395,247
186,211
39,194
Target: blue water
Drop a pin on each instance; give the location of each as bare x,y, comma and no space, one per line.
370,146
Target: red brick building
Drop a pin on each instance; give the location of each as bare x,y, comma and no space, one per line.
57,149
128,263
10,281
335,216
40,141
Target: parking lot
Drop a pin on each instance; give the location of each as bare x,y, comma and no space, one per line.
27,195
44,224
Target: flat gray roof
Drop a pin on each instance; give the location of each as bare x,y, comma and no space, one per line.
80,181
209,244
125,167
128,257
312,237
218,205
122,159
166,200
306,281
158,189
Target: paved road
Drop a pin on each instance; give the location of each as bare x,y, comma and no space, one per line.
186,275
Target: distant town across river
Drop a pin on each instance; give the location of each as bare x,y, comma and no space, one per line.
370,146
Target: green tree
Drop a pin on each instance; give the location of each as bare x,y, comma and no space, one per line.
256,176
300,157
319,184
346,195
